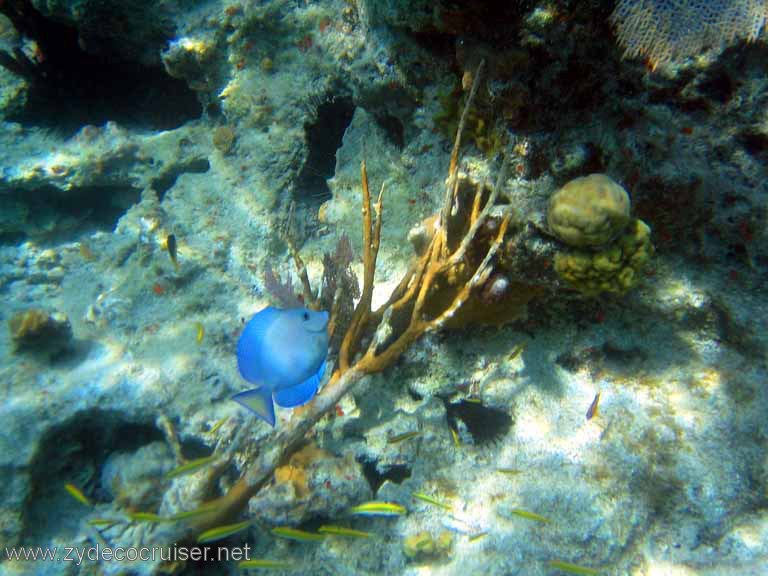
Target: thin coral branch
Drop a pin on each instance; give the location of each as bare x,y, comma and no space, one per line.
452,186
371,243
310,299
469,237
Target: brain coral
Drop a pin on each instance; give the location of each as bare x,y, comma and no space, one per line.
588,211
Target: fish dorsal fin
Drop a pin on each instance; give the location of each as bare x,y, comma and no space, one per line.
301,394
258,401
251,343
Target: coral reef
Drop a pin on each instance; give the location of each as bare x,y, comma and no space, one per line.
464,362
430,295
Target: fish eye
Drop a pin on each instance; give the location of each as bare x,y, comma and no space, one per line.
305,316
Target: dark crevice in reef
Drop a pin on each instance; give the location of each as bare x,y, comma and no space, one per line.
165,181
324,137
70,88
194,448
376,478
48,214
393,128
75,452
483,423
754,142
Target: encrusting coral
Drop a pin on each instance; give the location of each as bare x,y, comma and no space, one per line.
615,268
437,291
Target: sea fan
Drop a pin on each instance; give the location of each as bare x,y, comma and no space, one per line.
670,30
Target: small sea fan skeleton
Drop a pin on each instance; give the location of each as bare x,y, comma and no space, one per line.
671,30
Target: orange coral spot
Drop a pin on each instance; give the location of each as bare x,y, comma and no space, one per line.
295,471
687,130
325,21
158,289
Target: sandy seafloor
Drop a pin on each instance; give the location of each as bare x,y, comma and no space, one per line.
229,113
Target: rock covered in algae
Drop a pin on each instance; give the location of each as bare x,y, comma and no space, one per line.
224,138
588,211
424,546
313,481
37,330
135,479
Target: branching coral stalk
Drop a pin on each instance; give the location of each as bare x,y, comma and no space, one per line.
434,289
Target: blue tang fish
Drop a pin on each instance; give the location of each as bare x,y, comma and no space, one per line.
283,353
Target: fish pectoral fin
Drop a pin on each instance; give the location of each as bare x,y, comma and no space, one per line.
301,394
258,401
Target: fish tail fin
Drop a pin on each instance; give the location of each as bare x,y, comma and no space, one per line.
258,401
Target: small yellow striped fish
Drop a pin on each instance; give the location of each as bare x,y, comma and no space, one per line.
378,509
191,466
572,568
255,563
403,437
221,532
200,329
341,531
517,349
217,425
296,534
146,517
455,437
509,471
75,492
594,409
429,500
203,509
103,521
528,515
